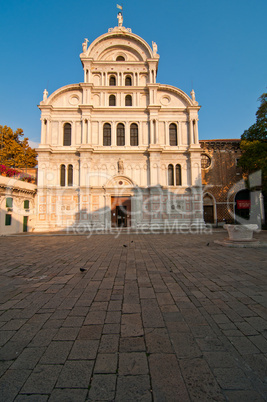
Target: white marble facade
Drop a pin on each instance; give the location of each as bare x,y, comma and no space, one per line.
119,149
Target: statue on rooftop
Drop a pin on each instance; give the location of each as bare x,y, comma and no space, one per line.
120,19
155,48
45,93
85,45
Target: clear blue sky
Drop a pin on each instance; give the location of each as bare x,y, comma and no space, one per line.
218,47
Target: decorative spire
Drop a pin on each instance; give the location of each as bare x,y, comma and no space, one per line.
85,45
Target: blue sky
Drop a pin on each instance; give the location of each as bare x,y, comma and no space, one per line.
218,47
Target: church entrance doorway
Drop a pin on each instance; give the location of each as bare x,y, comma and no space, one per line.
121,211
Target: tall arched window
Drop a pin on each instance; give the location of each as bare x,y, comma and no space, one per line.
170,176
62,175
134,134
67,135
128,100
173,134
178,175
70,175
112,100
112,80
128,80
107,134
120,134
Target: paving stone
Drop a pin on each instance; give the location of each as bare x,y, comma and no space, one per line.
57,352
133,388
131,325
32,398
42,380
75,374
167,381
134,363
68,395
95,317
133,344
28,358
84,350
90,332
11,383
198,316
231,378
157,341
246,396
199,380
103,387
106,363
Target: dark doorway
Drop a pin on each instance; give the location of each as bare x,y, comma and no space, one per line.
120,211
25,223
242,204
208,214
121,214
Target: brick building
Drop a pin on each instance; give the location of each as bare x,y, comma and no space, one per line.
220,178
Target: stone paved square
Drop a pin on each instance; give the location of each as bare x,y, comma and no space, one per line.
169,317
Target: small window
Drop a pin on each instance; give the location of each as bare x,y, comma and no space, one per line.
173,135
112,80
8,220
67,135
112,100
170,176
205,161
120,134
134,134
120,58
70,175
107,135
26,204
128,80
128,100
62,175
178,175
9,202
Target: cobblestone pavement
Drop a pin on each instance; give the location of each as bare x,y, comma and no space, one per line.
153,318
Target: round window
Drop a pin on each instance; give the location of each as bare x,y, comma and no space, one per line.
205,161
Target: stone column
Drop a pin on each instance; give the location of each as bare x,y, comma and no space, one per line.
190,131
179,133
196,132
127,133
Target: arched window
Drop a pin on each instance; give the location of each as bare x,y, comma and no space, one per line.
120,134
107,134
67,135
120,58
173,134
170,176
112,80
112,100
134,134
128,80
70,175
62,175
178,175
128,100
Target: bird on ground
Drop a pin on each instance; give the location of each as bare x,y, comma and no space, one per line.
82,269
208,244
124,245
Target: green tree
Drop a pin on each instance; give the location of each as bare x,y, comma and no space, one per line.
254,146
15,150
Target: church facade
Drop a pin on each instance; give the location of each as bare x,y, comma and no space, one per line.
119,149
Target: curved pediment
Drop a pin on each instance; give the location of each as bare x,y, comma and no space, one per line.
67,96
109,43
120,181
169,96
